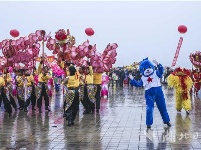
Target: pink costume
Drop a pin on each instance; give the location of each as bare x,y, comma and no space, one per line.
105,81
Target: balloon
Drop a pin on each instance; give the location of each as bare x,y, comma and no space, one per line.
89,31
182,29
14,33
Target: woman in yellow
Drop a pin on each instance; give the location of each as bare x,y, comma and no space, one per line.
71,95
181,81
97,82
3,97
28,88
9,88
89,99
42,87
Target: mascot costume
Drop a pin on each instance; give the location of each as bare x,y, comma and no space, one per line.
181,81
150,80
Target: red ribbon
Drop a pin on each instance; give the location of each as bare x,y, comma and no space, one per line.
177,52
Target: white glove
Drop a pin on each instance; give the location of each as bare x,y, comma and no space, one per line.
155,62
131,77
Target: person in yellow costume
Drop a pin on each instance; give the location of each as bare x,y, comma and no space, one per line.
28,87
9,88
42,87
89,99
81,83
181,81
97,80
3,97
20,88
64,65
71,95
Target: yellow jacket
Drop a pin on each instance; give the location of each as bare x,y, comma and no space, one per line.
41,76
73,81
30,80
97,78
89,77
7,77
62,66
2,81
19,80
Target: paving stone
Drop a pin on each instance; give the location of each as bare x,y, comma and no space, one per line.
119,125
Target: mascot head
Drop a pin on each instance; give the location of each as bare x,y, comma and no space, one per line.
146,67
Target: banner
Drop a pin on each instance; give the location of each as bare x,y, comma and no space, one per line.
48,58
177,52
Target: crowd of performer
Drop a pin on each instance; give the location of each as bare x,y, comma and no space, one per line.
80,84
21,88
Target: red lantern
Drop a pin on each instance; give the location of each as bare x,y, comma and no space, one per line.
14,33
182,29
89,31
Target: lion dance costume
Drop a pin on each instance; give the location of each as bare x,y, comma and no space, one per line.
181,81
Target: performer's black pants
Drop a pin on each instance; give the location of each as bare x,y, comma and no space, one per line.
71,112
6,102
20,101
31,99
88,105
98,96
43,93
12,101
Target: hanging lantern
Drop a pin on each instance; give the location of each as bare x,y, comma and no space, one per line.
182,29
89,31
14,33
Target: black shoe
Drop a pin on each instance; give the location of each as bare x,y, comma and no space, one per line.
69,123
187,112
86,112
72,123
148,127
168,124
20,108
47,109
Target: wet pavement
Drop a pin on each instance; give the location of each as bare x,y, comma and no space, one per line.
119,126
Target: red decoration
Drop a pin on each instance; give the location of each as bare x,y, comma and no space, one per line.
61,35
182,29
89,31
177,52
14,33
149,79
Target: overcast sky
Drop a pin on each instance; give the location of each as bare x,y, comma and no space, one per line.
141,29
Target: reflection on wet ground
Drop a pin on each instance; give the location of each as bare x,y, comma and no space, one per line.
119,126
